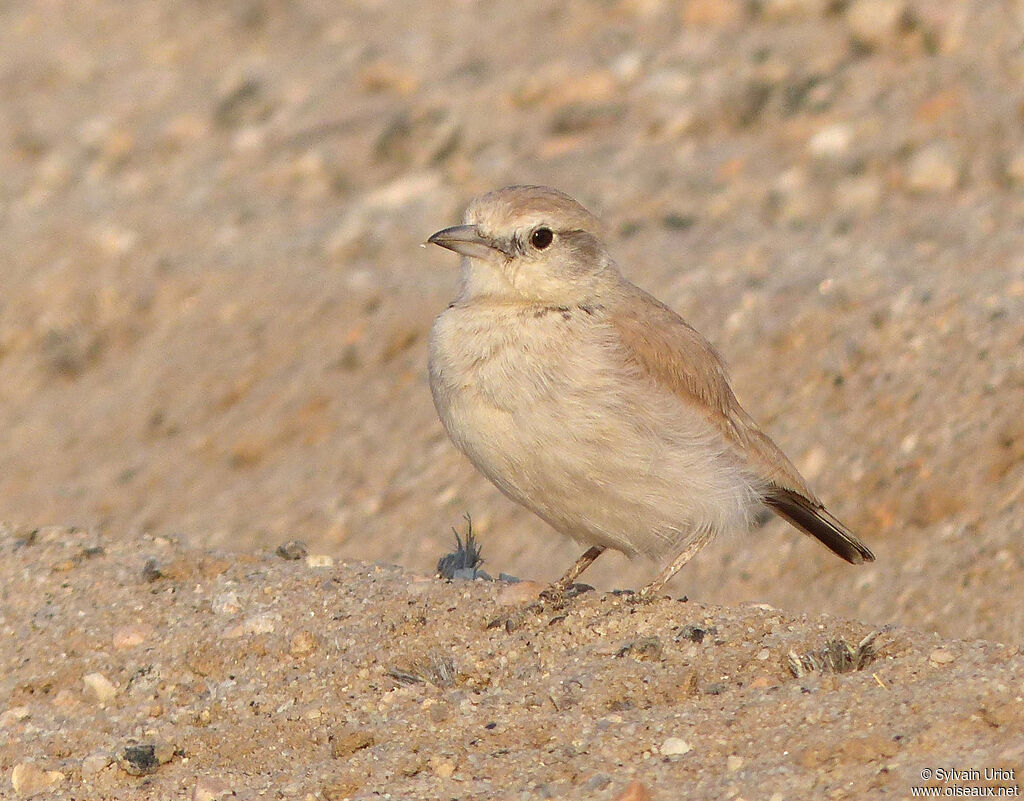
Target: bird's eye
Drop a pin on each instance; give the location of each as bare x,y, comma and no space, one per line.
541,238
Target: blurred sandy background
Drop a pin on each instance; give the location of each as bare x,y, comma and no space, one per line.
214,306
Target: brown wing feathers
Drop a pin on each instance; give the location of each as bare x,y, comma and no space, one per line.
679,357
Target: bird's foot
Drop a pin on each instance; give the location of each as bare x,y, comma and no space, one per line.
551,599
647,595
558,593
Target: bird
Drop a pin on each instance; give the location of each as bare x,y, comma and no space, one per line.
591,403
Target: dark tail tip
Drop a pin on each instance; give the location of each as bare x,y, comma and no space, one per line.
820,524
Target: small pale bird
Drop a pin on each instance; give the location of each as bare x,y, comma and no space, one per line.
593,404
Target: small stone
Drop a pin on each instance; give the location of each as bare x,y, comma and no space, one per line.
209,788
869,749
241,102
100,687
711,13
15,714
163,751
733,763
596,783
643,649
131,636
303,644
875,22
346,741
675,746
519,592
402,192
788,9
471,574
387,77
444,769
292,550
151,571
933,168
66,699
438,713
94,763
1015,169
830,142
144,758
636,791
265,623
692,633
227,603
940,656
114,240
1003,714
28,779
319,560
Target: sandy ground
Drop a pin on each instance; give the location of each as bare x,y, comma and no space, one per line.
213,323
148,670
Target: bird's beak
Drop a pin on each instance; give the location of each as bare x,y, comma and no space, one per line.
465,240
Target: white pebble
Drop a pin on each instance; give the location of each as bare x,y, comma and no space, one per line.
100,686
674,746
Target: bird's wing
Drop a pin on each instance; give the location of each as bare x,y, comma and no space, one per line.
675,355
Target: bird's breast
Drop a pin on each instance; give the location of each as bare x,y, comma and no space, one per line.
505,380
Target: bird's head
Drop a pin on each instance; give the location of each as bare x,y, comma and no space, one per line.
529,243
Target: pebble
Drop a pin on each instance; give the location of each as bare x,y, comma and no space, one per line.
227,603
319,560
444,769
933,168
596,782
100,686
404,191
636,791
941,656
675,746
28,779
141,759
346,741
131,636
303,644
15,714
209,788
733,763
66,699
265,623
94,763
1015,169
711,13
520,591
789,9
292,550
830,142
874,23
1004,714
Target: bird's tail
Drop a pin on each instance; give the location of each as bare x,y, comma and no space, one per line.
814,519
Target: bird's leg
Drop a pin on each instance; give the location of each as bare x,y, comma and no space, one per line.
556,593
560,587
648,592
